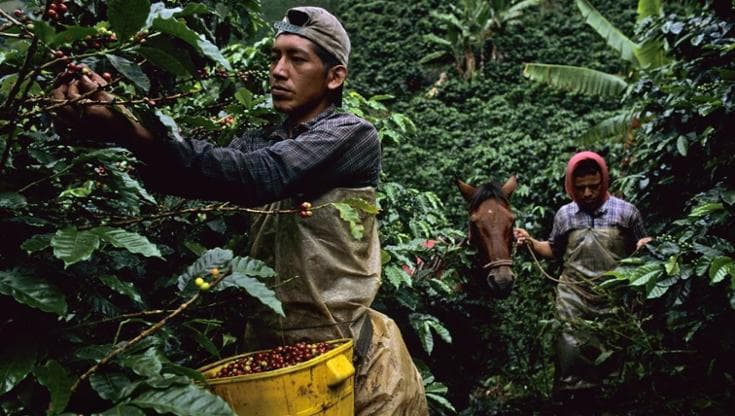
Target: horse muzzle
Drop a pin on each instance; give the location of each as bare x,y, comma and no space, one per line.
500,277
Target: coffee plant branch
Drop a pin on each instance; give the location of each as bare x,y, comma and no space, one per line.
196,210
9,110
83,101
157,326
154,328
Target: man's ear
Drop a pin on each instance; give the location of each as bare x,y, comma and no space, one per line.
336,77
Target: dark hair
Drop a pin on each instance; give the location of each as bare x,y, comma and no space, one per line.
485,192
586,167
329,61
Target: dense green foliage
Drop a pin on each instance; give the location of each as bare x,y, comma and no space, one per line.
91,258
499,124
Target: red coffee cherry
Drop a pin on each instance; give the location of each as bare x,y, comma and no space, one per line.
107,76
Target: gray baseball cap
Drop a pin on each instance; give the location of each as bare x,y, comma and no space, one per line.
320,27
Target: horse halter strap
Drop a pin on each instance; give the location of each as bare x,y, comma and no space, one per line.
498,263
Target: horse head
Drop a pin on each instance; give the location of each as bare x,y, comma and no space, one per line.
490,231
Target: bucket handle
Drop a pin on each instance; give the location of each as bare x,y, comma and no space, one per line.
339,369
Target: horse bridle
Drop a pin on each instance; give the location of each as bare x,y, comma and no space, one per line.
498,263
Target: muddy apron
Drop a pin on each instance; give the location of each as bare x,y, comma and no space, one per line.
327,280
590,252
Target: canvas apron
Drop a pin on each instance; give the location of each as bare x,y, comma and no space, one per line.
590,252
327,280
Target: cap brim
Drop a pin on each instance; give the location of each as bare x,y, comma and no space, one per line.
288,27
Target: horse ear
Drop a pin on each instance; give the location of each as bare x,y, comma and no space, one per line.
468,191
510,186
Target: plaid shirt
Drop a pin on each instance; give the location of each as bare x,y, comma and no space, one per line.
613,213
332,150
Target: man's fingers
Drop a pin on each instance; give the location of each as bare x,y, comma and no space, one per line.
95,78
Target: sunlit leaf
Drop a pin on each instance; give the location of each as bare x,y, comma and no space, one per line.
350,215
577,79
133,242
73,246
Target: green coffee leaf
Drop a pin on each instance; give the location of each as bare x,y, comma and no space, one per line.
17,358
215,257
255,288
397,276
123,410
127,17
32,291
58,381
73,246
110,386
131,71
72,34
147,364
179,29
164,60
37,243
350,215
12,201
720,268
251,267
183,401
124,288
133,242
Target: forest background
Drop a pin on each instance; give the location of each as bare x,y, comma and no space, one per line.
100,312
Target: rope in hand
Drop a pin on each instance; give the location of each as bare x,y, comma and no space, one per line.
538,264
553,279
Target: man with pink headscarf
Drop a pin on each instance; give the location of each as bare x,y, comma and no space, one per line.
590,235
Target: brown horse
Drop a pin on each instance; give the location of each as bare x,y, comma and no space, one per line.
491,232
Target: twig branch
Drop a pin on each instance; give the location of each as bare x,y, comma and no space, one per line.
225,207
157,326
125,346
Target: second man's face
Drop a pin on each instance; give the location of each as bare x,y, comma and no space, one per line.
297,78
588,190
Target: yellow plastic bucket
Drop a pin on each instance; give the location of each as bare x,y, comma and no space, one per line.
323,385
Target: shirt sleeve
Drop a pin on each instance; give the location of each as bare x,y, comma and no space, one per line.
332,153
559,234
637,229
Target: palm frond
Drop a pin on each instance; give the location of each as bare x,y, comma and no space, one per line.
577,79
646,8
613,127
613,36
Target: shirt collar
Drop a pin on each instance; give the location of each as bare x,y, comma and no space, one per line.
281,132
600,211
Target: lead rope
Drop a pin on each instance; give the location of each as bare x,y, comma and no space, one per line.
538,264
553,279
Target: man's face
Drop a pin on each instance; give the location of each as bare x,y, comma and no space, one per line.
297,78
587,190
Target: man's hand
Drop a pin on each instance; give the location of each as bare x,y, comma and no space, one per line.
541,247
642,242
93,120
522,237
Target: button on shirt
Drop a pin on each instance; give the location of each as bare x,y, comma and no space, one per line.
613,213
330,151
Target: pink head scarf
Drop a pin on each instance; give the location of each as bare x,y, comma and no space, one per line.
572,164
